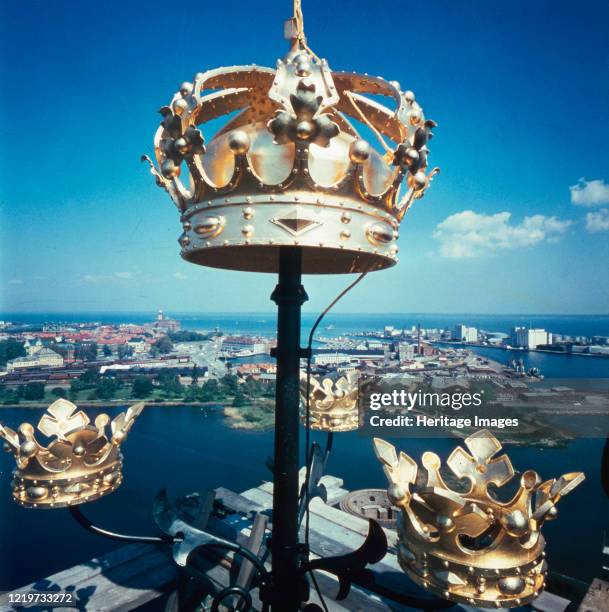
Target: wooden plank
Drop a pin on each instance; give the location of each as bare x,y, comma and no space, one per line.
597,597
92,568
254,543
359,597
327,539
126,578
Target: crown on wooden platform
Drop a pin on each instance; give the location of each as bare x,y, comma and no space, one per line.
290,168
470,547
332,405
81,463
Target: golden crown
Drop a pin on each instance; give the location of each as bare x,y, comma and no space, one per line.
471,547
291,168
80,464
332,405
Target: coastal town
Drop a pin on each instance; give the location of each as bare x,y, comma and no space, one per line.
159,362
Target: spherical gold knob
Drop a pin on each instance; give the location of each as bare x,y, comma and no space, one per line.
239,142
359,151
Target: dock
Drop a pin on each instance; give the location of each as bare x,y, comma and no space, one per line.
143,576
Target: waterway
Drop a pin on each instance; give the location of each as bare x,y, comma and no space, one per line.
186,449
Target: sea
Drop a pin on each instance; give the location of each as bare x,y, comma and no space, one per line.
186,449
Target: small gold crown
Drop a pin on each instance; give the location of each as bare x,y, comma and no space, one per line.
470,547
290,168
332,405
80,464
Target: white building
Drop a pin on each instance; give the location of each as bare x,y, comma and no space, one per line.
331,358
44,357
32,347
465,333
245,344
138,345
530,338
406,351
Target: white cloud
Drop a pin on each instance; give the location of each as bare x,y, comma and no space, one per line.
598,221
180,275
590,193
471,234
94,278
123,274
15,281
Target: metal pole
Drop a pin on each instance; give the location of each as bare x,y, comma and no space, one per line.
289,295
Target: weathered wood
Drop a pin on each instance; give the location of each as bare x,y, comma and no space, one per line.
254,543
335,515
121,580
327,539
597,597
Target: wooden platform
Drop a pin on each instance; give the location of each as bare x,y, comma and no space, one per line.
141,576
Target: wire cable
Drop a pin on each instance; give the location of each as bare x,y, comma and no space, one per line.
308,423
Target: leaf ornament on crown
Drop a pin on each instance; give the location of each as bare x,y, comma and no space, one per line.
81,463
471,547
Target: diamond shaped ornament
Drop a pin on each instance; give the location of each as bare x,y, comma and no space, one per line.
296,220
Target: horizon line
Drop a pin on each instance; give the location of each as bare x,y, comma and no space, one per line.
273,312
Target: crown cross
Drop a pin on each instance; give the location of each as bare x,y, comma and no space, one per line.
61,419
480,468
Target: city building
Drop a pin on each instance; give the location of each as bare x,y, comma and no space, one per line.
138,345
406,351
31,347
44,357
464,333
245,344
332,359
526,337
162,323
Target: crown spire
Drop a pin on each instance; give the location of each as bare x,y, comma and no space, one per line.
294,31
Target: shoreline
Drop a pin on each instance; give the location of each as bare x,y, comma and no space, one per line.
118,404
518,350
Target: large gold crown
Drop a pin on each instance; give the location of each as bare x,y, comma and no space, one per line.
80,464
290,168
333,405
470,547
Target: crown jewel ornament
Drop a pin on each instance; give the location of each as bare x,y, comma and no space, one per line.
332,405
470,547
290,168
81,463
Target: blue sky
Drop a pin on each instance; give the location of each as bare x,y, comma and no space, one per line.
517,222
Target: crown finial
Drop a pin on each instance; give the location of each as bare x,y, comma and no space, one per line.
81,463
469,547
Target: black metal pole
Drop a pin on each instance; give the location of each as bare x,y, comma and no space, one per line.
289,295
